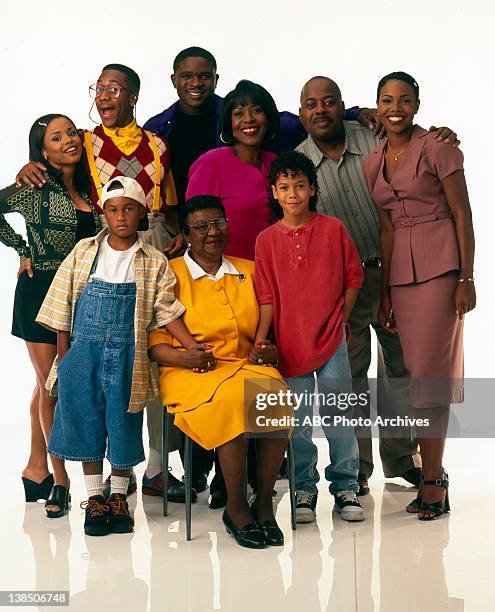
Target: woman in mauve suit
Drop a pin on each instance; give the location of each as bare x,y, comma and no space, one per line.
427,244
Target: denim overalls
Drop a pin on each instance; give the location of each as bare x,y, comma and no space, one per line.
95,378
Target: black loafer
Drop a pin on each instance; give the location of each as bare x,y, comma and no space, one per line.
218,499
413,476
199,482
249,536
272,532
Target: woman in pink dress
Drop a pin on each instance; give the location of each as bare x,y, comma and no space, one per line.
427,243
237,173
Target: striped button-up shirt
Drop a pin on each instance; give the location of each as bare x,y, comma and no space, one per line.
343,190
156,306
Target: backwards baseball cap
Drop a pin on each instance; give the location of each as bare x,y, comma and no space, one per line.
123,186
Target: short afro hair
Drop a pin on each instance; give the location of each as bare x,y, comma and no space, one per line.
131,76
199,202
398,76
291,163
195,52
246,92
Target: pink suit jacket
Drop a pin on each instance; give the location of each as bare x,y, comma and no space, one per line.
425,240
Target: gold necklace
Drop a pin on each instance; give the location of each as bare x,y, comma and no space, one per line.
396,157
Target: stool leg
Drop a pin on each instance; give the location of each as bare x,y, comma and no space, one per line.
165,460
188,483
292,482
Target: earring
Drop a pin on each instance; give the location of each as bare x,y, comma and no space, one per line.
223,139
45,156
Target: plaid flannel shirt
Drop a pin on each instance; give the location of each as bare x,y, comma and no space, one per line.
156,306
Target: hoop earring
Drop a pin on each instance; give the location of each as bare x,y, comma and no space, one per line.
225,142
90,117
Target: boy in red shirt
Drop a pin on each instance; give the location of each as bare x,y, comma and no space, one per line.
308,274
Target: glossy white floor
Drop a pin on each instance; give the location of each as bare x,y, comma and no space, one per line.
389,563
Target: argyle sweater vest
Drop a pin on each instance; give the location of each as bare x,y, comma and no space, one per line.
110,162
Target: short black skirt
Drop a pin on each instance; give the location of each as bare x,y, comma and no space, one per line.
29,296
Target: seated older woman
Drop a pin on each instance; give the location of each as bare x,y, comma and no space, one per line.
205,389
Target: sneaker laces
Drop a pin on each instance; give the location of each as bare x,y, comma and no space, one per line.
94,507
348,496
118,505
305,497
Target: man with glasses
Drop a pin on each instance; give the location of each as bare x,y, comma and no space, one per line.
119,147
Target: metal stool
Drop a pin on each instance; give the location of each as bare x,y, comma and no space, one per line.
188,476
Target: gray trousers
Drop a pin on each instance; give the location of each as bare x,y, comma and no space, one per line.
398,449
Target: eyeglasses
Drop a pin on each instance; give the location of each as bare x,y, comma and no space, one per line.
203,227
113,91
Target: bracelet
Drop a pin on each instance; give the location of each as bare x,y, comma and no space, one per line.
465,280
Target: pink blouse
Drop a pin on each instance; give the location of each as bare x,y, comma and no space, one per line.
243,190
425,240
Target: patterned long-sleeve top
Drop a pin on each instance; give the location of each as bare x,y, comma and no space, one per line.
50,218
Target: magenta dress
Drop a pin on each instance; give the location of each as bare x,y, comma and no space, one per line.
425,264
243,190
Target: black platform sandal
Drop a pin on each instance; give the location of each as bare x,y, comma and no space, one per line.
60,497
37,490
440,507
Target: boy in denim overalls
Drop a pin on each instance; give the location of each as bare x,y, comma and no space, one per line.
108,293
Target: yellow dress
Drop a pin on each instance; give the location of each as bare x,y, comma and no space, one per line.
213,408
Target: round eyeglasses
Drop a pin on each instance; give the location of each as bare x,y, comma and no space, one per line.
112,91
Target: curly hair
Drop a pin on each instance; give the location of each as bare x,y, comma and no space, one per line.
291,162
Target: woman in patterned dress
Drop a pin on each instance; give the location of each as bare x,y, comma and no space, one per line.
57,215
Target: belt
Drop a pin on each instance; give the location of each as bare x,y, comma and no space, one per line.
410,221
372,262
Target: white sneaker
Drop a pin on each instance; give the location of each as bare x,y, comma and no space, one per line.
348,506
305,506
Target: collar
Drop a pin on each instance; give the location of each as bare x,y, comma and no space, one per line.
350,146
98,239
130,131
196,271
417,136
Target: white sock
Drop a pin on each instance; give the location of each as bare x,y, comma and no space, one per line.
154,466
94,484
119,484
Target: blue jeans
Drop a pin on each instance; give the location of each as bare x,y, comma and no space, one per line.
334,376
95,379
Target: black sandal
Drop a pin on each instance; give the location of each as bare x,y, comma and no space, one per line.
440,507
60,497
37,490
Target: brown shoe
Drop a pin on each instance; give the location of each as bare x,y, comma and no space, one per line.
176,489
363,485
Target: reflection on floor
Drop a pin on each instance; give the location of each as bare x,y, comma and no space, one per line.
389,563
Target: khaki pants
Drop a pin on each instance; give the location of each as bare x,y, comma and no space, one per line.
158,235
398,454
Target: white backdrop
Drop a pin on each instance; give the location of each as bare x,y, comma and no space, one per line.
51,51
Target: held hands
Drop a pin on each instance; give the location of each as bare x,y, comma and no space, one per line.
31,175
25,264
199,358
465,298
263,352
386,315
